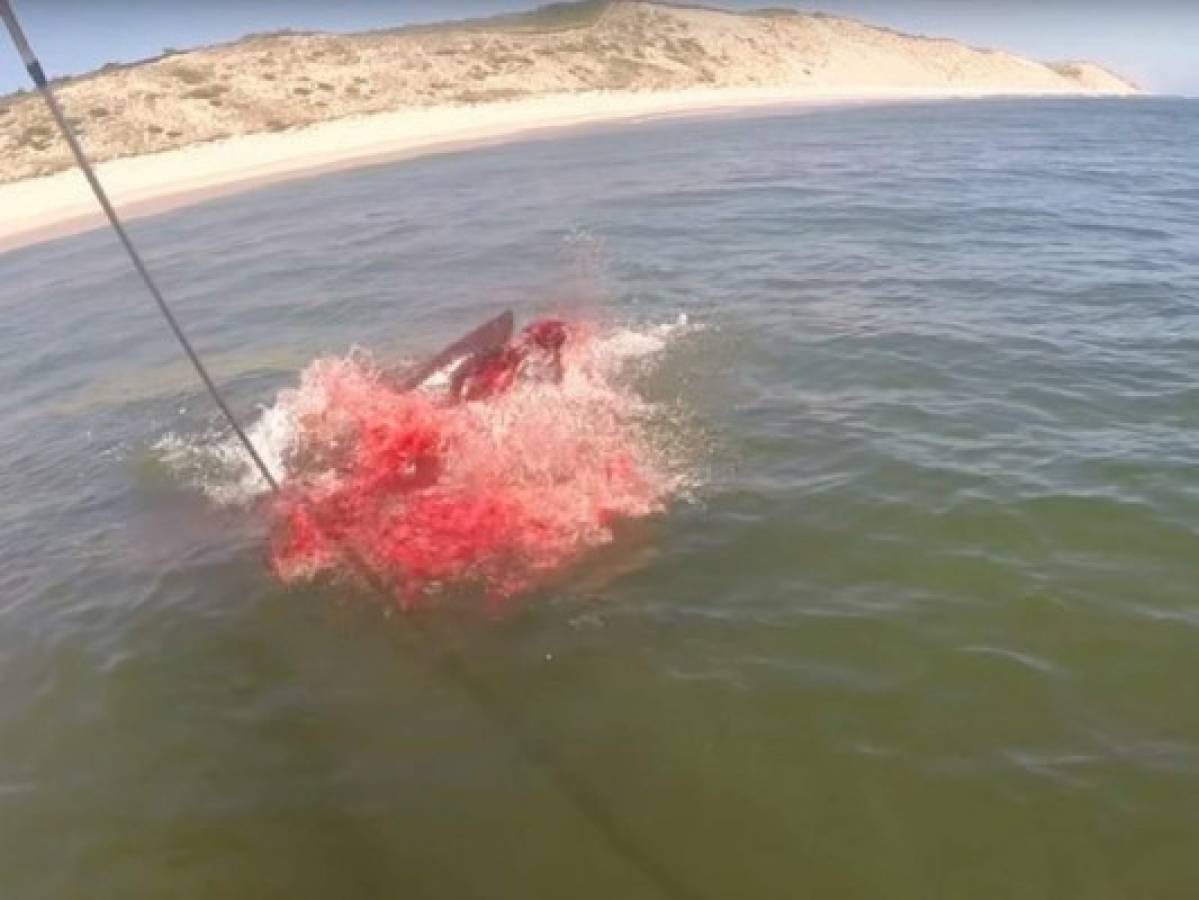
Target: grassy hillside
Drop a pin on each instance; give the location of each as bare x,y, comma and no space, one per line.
273,82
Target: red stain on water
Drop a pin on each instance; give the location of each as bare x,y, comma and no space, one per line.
431,493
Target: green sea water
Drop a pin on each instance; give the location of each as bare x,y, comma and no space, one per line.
928,626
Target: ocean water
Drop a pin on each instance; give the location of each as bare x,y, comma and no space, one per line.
924,625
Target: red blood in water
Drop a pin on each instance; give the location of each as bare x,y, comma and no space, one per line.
431,493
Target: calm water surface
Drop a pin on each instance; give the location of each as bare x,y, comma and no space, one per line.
929,630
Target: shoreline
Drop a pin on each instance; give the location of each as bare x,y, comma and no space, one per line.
59,205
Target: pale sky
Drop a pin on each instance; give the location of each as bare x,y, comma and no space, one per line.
1155,42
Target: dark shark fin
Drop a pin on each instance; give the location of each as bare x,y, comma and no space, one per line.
491,335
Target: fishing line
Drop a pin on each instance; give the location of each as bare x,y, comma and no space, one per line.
34,67
585,799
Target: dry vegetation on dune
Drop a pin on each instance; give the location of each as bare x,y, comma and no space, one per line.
274,82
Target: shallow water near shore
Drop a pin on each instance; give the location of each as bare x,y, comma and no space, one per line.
927,626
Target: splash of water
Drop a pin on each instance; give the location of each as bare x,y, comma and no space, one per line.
432,494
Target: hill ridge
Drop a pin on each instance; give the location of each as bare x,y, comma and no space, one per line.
272,82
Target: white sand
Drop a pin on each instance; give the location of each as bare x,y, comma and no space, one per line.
55,205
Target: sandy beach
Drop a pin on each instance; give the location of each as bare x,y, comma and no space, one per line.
191,125
56,205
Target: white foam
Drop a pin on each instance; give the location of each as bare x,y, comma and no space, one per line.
216,463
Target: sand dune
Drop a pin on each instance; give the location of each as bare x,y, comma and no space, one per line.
273,106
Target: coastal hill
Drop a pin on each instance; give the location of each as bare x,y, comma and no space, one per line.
265,83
